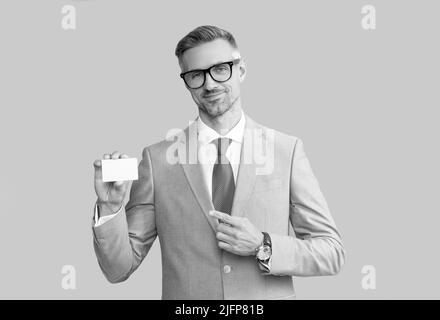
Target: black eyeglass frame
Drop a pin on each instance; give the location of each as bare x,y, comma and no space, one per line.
208,70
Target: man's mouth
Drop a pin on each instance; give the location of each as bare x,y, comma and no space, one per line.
213,96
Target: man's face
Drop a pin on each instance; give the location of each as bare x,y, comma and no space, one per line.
214,98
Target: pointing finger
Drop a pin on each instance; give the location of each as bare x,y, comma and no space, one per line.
224,217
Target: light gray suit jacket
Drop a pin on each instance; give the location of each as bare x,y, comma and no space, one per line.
171,201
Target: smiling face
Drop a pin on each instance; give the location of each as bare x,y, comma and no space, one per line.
214,98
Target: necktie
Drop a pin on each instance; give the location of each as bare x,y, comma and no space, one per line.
223,185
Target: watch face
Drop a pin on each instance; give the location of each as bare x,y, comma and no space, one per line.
264,253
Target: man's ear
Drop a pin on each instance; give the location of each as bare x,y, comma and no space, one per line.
242,70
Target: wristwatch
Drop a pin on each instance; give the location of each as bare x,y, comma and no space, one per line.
264,253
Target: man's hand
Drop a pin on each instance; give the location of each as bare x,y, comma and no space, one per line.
237,235
110,194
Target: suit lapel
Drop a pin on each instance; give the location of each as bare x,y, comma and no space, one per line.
194,173
247,168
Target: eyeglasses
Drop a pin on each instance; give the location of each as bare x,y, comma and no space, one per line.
220,72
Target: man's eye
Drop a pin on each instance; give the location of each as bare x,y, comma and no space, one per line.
195,75
221,68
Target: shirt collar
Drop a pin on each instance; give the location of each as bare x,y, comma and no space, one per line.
206,134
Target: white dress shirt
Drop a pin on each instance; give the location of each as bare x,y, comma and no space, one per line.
207,155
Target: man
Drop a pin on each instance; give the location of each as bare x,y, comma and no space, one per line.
227,229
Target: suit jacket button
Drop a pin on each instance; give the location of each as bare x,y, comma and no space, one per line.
227,269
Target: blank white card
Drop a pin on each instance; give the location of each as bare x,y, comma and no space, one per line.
119,169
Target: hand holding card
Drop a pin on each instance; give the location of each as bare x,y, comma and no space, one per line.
113,176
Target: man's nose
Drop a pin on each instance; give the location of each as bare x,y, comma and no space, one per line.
209,82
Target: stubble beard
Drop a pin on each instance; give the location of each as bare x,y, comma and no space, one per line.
217,111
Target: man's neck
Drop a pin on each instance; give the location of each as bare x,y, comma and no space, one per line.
224,123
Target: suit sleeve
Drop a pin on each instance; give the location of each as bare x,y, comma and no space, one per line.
316,249
123,242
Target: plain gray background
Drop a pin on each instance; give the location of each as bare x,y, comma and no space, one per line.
365,104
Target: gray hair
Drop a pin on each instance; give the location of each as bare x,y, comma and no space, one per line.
202,35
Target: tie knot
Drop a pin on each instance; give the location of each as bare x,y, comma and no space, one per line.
222,145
